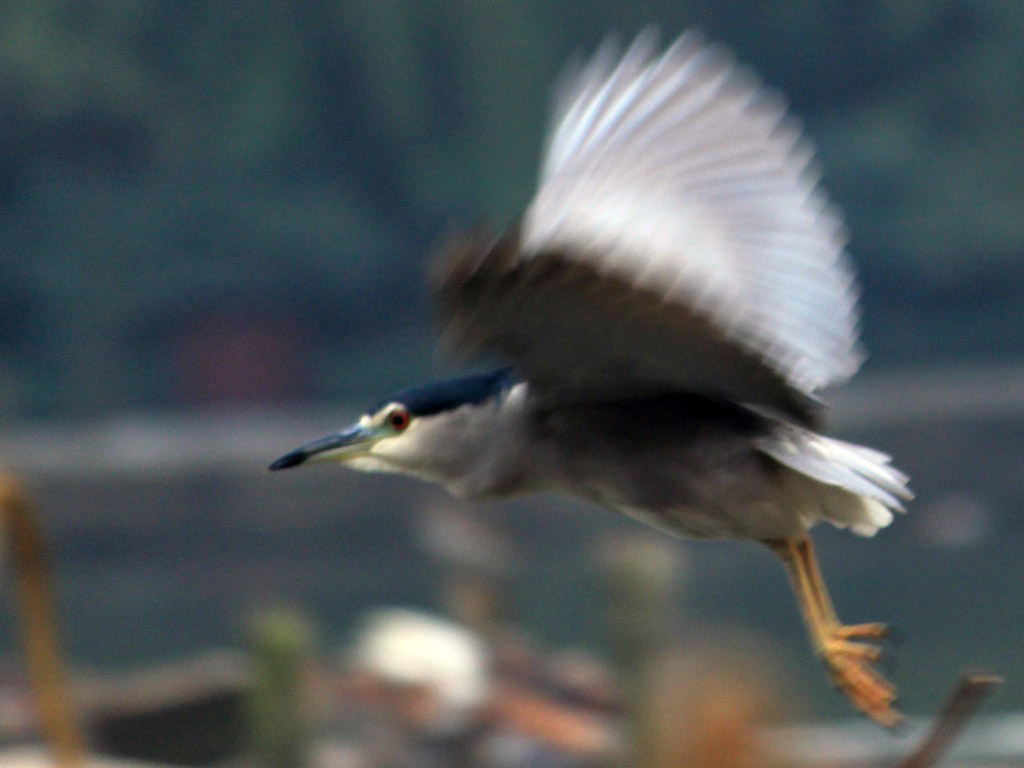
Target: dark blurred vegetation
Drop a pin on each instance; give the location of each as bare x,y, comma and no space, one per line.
211,203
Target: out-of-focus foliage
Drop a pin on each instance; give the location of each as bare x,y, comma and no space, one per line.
204,203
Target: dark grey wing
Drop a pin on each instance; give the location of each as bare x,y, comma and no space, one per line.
576,334
677,241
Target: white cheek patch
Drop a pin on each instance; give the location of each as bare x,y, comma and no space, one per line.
369,463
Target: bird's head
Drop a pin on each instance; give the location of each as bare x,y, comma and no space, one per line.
420,430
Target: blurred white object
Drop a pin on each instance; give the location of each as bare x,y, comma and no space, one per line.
408,648
35,757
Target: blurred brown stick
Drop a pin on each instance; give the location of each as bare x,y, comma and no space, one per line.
27,551
967,694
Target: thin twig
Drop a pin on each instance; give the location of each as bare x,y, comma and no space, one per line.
963,701
39,626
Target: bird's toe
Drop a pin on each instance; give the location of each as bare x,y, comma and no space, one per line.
851,666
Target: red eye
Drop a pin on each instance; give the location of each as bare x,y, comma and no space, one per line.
398,419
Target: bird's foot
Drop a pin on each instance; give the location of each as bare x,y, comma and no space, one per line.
874,631
849,661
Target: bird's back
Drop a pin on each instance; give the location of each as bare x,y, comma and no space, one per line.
707,468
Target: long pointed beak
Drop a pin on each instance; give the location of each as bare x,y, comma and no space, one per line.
353,441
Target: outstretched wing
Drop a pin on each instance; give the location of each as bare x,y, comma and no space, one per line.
678,240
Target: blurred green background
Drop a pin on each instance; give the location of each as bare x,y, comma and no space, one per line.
226,207
187,187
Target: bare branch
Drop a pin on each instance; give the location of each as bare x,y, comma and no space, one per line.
963,701
27,552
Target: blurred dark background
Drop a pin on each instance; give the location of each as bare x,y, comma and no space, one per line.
214,220
214,203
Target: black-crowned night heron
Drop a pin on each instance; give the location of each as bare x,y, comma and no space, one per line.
671,300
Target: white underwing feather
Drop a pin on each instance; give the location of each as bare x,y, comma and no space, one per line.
683,168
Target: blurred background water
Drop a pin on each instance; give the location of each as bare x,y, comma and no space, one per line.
214,223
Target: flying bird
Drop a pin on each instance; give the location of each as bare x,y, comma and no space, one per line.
670,302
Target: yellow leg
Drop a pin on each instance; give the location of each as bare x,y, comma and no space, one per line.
847,658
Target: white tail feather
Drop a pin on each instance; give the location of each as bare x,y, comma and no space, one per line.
862,489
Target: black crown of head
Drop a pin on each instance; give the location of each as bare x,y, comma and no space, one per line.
439,396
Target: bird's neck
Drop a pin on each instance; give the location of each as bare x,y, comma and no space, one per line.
478,450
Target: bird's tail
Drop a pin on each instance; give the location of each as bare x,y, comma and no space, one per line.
861,487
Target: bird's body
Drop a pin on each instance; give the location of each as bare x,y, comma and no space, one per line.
671,300
685,463
695,467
